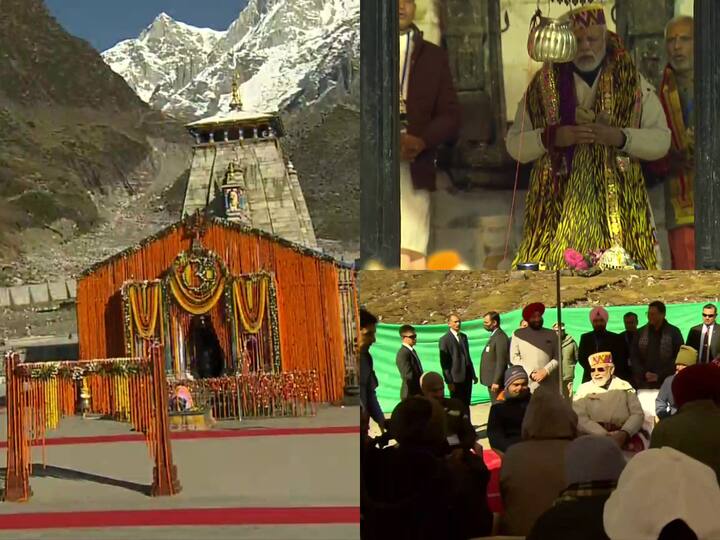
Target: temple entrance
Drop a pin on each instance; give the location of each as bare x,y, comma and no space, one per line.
206,354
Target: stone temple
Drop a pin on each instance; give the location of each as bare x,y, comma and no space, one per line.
240,173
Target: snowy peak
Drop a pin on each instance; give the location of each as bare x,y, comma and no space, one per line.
289,53
166,29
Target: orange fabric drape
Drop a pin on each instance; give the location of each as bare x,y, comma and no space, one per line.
310,322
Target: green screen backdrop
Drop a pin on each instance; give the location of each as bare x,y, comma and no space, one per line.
576,320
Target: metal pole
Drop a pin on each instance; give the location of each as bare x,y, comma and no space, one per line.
559,332
380,139
707,135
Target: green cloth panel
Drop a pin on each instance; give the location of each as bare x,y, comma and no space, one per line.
576,320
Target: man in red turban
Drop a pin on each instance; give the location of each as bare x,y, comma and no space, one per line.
536,349
694,429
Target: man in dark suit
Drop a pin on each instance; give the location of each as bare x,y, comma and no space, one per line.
630,320
600,340
408,363
369,403
705,337
429,117
495,357
457,366
655,349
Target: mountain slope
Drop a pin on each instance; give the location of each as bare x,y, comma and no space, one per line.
296,56
74,135
288,53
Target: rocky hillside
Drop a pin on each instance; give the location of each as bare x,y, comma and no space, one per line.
428,297
76,140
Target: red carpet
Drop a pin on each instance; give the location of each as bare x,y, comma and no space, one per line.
211,434
493,463
186,516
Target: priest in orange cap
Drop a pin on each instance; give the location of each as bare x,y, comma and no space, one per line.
586,125
536,349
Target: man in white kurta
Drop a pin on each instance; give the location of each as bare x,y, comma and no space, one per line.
414,203
536,349
608,405
586,125
429,117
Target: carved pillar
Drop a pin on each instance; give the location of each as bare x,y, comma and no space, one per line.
641,24
380,137
17,477
707,135
475,54
165,481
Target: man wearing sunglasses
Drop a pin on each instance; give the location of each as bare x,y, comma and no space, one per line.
408,363
705,337
608,405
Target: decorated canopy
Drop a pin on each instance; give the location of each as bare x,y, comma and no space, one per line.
277,300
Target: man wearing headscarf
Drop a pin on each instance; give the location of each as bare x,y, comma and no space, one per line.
600,339
609,406
665,402
586,125
661,489
695,429
536,349
533,470
504,425
593,465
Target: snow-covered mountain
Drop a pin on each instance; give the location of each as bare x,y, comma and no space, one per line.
287,53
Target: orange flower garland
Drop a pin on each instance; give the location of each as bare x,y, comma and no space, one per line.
40,394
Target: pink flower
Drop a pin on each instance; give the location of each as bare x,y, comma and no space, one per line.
575,260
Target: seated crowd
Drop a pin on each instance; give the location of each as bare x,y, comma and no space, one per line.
580,466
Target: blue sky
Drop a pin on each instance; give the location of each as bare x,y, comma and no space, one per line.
105,22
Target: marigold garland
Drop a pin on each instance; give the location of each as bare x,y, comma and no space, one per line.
250,294
304,285
39,395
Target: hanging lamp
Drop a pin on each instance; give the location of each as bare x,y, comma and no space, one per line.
551,40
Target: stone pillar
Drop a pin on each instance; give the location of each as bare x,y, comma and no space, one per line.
707,135
380,132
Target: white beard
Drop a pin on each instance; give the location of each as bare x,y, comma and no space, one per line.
603,381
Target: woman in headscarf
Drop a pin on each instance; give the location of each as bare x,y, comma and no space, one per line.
695,429
592,467
664,494
533,470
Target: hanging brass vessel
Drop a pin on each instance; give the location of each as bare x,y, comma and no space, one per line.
551,40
